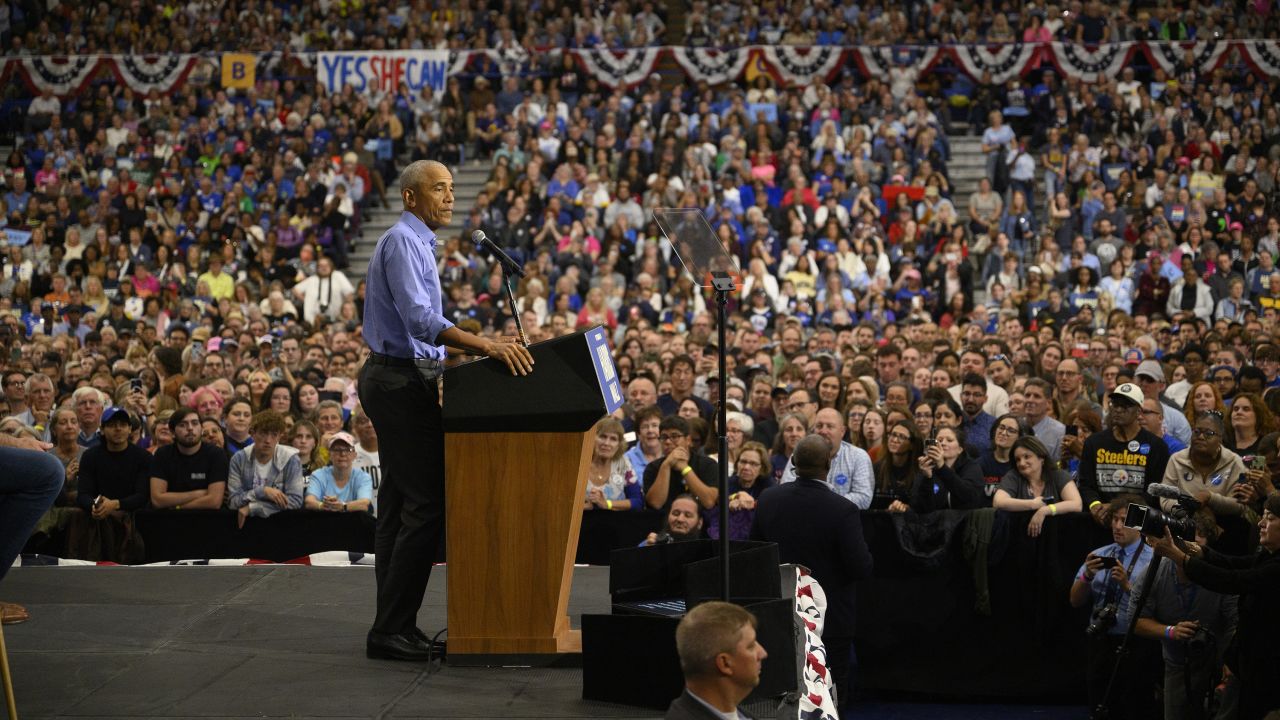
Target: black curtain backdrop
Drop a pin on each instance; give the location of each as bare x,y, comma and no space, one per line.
918,630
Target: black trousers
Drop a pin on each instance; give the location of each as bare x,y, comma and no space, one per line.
405,410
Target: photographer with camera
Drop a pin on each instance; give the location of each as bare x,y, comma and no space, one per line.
1107,581
1194,626
1253,654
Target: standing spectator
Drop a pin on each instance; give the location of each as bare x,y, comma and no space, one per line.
1122,459
113,482
1037,394
367,458
1034,484
340,486
1206,470
88,403
647,420
682,375
851,474
683,469
996,141
825,537
611,480
189,474
264,477
323,293
749,480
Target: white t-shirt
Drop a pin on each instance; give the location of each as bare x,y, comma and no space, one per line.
368,462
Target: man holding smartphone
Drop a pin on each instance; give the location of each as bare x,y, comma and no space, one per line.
113,482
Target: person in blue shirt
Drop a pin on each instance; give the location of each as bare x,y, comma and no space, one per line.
340,486
1107,581
408,338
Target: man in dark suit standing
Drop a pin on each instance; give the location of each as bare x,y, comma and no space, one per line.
721,660
813,530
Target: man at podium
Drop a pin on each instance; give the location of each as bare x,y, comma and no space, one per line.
398,385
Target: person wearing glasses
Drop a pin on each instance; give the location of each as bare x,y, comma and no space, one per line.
750,478
1206,470
682,469
1223,378
1153,420
851,473
340,486
1123,458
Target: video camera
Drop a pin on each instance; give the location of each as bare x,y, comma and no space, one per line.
1153,521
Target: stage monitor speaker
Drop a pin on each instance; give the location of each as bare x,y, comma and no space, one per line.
662,571
631,658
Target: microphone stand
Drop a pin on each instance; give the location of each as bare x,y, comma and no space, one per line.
511,302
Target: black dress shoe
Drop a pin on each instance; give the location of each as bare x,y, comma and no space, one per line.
395,647
437,647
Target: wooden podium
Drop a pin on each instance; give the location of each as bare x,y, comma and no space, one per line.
517,450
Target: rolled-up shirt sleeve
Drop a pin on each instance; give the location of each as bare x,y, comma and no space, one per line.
407,267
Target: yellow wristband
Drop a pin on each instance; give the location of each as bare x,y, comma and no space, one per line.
177,507
608,504
1094,504
1053,509
687,469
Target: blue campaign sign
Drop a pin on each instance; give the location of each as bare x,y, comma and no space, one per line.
605,372
382,72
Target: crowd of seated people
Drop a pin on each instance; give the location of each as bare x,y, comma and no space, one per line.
317,25
1100,313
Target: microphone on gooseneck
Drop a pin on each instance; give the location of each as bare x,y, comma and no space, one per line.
483,242
1170,492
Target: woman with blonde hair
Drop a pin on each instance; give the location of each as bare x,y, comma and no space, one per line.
611,481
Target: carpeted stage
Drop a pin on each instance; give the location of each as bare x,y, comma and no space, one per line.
284,641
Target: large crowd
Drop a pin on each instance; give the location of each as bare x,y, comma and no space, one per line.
1099,314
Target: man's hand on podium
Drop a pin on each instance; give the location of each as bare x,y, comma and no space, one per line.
510,351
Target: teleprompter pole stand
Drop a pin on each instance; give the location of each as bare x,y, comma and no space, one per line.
723,284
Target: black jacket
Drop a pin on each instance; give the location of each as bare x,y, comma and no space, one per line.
950,488
1254,653
686,707
821,530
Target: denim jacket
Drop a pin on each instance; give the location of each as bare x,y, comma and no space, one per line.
245,488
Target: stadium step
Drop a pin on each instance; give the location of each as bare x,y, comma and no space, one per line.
468,181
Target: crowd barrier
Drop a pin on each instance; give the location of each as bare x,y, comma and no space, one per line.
928,624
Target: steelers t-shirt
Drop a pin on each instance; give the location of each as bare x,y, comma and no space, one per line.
1110,467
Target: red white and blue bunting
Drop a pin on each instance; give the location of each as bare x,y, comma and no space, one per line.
1261,55
877,61
1207,54
1004,62
160,73
619,68
1089,65
792,65
716,67
61,76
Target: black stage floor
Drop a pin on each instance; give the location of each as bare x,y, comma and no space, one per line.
253,642
279,641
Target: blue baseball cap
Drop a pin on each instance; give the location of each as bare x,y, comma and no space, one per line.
113,412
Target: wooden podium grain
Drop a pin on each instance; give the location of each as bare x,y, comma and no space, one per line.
517,451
